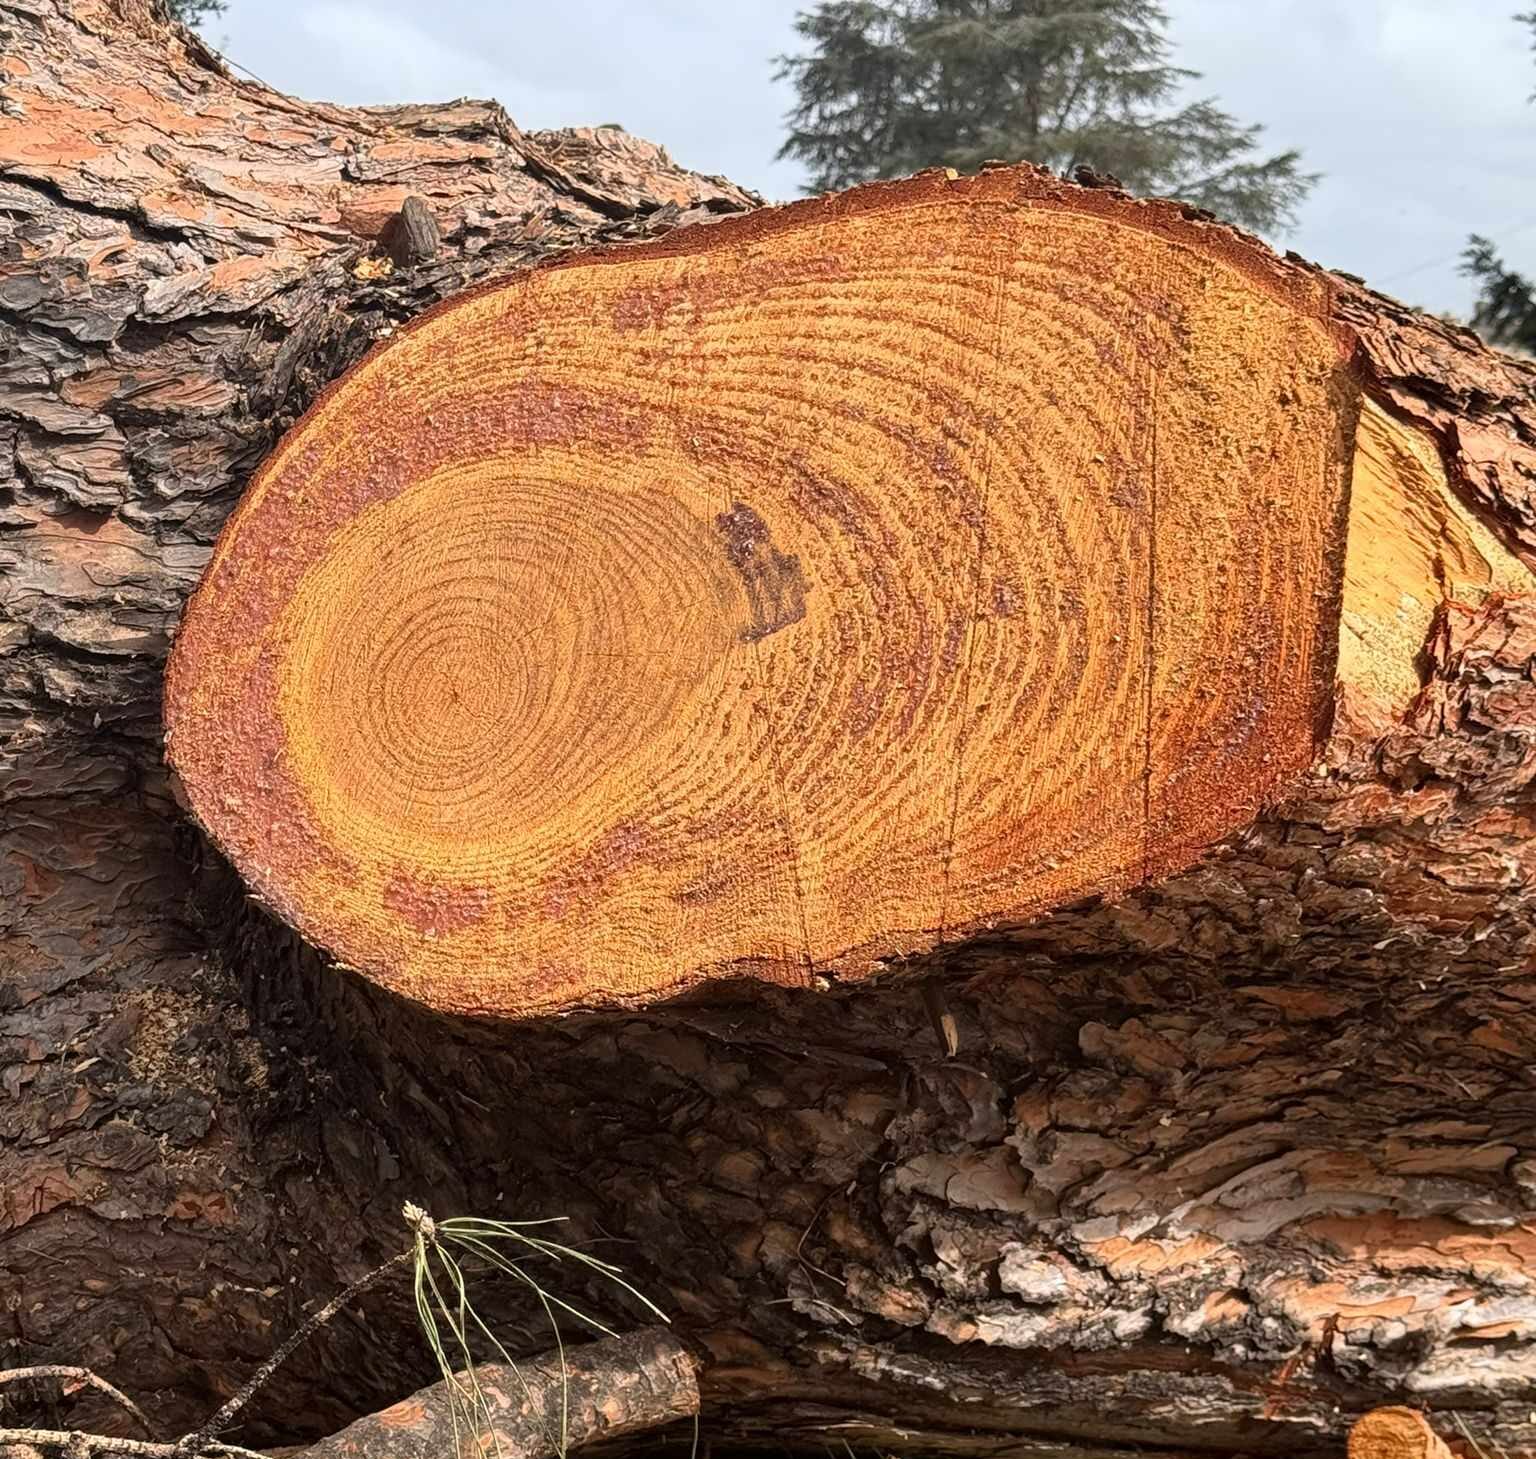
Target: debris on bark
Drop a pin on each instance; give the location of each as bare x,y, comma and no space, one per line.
546,1405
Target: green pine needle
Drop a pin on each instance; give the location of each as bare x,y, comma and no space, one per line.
449,1321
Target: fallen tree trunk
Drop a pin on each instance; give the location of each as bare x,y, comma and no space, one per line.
1231,1148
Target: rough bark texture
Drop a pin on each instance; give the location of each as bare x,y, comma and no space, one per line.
1217,1168
599,1392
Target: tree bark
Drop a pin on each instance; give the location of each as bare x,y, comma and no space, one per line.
1216,1166
592,1394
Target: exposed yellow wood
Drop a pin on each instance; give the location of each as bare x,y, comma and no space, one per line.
1412,546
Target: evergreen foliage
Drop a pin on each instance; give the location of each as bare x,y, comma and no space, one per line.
194,12
887,87
1505,311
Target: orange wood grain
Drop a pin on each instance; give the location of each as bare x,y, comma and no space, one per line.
802,590
1396,1433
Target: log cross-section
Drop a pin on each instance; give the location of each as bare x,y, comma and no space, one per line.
780,597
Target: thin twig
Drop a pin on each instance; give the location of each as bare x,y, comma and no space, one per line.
200,1439
464,1395
77,1375
88,1444
1482,1453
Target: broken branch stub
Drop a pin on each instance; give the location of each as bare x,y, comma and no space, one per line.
795,592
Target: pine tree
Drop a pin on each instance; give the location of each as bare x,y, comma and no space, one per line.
891,86
194,12
1505,312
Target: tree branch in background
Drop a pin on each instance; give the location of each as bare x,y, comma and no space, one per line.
1505,310
1528,17
195,12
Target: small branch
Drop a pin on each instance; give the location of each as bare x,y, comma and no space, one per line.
200,1440
76,1443
621,1385
77,1375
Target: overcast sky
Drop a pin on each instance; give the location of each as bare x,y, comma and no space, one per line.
1416,112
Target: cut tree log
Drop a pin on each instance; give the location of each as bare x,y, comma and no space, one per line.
1219,1163
801,592
785,595
1396,1433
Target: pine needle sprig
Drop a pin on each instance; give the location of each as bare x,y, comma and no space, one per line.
453,1328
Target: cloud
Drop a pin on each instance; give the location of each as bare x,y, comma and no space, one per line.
1415,111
